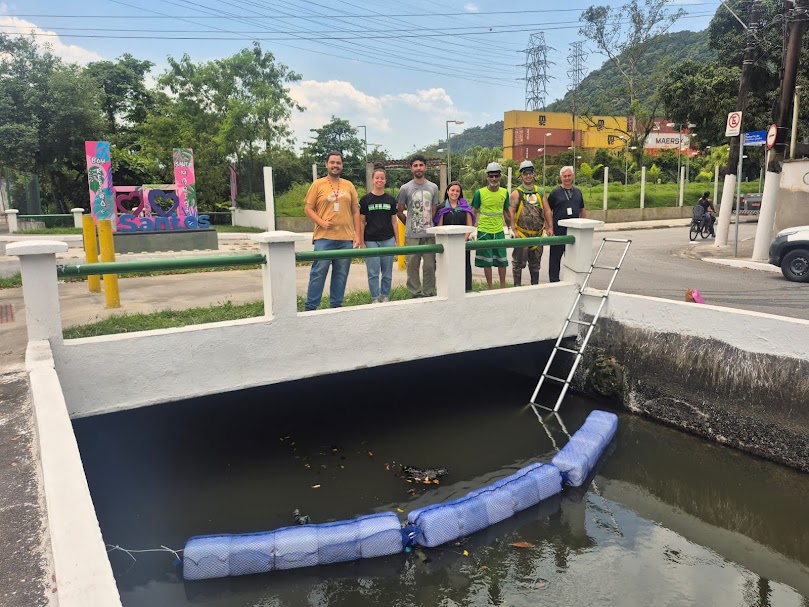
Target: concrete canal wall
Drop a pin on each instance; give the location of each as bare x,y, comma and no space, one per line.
735,377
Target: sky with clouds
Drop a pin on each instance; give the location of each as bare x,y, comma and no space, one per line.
401,68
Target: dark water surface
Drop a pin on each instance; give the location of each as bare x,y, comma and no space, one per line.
668,520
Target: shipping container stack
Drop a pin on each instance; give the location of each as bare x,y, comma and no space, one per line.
525,134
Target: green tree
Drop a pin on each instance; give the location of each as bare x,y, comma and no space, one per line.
47,110
654,174
229,109
624,35
337,135
125,101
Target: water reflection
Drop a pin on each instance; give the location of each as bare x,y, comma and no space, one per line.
670,520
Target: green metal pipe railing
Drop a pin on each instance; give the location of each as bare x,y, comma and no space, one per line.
512,243
156,265
223,261
362,253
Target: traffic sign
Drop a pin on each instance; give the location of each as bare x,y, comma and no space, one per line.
734,124
755,138
772,135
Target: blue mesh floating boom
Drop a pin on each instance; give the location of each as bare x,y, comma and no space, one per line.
440,523
212,556
579,456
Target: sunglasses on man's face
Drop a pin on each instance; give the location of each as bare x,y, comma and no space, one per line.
528,172
491,175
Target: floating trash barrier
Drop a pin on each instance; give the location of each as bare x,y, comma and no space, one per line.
441,523
213,556
579,456
304,545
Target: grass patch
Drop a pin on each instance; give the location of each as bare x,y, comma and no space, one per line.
52,231
657,196
165,319
11,282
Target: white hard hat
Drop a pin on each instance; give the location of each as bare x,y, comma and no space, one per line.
526,164
493,167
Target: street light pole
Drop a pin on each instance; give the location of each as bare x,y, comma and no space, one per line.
365,138
449,150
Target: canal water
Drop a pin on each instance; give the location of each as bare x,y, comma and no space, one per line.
668,519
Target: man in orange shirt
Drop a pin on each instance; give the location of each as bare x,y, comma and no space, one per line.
332,204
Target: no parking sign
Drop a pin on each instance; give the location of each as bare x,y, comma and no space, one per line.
734,124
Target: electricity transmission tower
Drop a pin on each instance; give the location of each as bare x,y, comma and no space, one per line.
536,72
575,72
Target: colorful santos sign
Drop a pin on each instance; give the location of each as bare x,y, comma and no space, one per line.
138,208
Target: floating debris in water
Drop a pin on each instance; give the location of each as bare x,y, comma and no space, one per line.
300,519
423,475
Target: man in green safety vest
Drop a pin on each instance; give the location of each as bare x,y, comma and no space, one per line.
491,209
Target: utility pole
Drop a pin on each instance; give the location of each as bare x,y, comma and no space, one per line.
797,20
729,187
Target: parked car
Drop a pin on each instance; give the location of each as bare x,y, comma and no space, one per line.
790,251
749,202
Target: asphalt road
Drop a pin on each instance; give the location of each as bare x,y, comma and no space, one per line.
664,263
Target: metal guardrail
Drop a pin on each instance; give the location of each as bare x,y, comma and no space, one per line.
68,215
222,261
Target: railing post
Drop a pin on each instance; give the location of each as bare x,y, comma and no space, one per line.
12,220
450,274
232,215
606,186
643,187
576,262
278,274
40,287
77,220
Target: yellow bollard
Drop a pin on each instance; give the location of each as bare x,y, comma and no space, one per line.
401,258
112,298
88,227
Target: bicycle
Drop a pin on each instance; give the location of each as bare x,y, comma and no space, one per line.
699,224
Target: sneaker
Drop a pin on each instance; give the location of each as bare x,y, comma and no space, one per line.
384,299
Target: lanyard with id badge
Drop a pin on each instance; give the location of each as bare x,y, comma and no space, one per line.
569,196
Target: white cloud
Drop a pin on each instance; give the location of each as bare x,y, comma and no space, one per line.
72,53
396,121
471,7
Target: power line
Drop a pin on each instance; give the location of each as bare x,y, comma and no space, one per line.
345,15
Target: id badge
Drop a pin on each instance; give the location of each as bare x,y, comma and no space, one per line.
569,210
337,207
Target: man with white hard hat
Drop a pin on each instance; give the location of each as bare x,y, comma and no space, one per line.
492,210
530,216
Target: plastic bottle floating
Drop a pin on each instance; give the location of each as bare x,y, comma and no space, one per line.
305,545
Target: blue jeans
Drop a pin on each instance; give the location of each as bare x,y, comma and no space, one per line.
339,275
375,265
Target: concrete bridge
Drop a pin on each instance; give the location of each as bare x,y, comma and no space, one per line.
75,378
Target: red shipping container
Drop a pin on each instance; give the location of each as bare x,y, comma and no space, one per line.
537,136
529,152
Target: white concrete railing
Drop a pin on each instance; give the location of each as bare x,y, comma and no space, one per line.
11,216
280,346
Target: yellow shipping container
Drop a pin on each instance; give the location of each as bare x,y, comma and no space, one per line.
508,153
508,138
601,123
552,120
604,139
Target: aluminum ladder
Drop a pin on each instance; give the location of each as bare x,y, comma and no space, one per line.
589,324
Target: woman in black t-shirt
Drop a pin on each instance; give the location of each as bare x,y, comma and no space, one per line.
379,227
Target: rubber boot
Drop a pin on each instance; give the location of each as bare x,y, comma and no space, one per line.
535,278
517,279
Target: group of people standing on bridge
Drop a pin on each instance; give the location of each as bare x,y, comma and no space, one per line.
344,221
